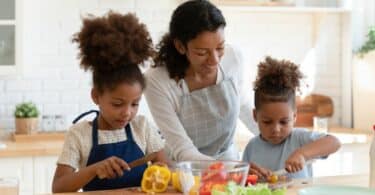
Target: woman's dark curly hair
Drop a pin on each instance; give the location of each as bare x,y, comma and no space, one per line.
277,81
188,21
112,47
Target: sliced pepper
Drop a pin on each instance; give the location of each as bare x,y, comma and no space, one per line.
155,179
177,184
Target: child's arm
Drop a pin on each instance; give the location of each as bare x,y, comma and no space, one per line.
261,172
67,180
318,148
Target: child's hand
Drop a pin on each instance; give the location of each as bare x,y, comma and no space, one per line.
261,172
295,162
111,167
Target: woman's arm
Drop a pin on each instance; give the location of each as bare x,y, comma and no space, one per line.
244,78
165,116
67,180
161,158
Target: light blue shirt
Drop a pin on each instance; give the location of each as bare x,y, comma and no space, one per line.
273,156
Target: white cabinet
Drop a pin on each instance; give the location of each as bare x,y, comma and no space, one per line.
364,91
20,168
44,169
10,39
34,174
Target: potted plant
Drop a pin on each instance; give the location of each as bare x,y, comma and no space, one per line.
26,118
370,44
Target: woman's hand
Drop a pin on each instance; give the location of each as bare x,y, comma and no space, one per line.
295,162
111,167
261,172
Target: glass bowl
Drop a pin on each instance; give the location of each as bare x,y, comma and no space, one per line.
201,177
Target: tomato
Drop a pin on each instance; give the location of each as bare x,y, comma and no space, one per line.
215,177
205,189
236,177
252,179
216,166
218,176
208,186
204,192
273,178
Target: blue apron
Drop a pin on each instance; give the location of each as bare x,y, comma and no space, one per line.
127,150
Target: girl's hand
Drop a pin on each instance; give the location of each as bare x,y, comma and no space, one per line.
261,172
111,167
295,162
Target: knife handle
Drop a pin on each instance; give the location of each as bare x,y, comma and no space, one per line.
283,171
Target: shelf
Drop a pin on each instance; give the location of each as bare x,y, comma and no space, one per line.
7,22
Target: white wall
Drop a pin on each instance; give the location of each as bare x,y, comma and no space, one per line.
51,76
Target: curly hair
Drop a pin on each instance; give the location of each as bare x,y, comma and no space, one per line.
188,21
276,81
112,47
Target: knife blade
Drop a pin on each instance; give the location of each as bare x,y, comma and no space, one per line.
143,160
283,171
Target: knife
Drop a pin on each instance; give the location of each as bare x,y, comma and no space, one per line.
283,171
143,160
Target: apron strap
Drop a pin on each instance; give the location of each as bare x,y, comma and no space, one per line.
185,89
128,131
84,114
95,132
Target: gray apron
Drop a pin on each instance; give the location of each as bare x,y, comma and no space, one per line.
209,116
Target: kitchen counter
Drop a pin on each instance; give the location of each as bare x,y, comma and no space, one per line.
39,144
37,148
53,146
348,180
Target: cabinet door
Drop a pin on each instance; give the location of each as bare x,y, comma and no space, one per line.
7,9
7,45
44,169
10,35
20,168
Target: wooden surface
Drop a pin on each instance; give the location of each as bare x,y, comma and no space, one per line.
36,148
347,180
40,136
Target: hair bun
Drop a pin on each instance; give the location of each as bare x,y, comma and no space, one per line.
113,40
277,74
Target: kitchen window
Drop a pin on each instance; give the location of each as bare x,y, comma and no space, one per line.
8,37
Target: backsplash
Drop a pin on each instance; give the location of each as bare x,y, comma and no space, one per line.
51,76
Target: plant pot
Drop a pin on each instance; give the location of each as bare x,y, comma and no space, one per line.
26,125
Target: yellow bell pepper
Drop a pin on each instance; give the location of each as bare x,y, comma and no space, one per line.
177,184
155,179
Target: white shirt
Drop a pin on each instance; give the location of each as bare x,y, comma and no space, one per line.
163,98
78,140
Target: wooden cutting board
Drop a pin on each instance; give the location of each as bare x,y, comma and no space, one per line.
310,106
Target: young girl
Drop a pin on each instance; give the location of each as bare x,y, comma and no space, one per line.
96,153
279,145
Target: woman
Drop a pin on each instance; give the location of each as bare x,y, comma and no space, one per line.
194,90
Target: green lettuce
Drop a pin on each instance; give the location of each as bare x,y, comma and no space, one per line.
260,189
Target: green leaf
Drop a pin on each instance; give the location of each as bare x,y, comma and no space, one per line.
26,110
370,44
